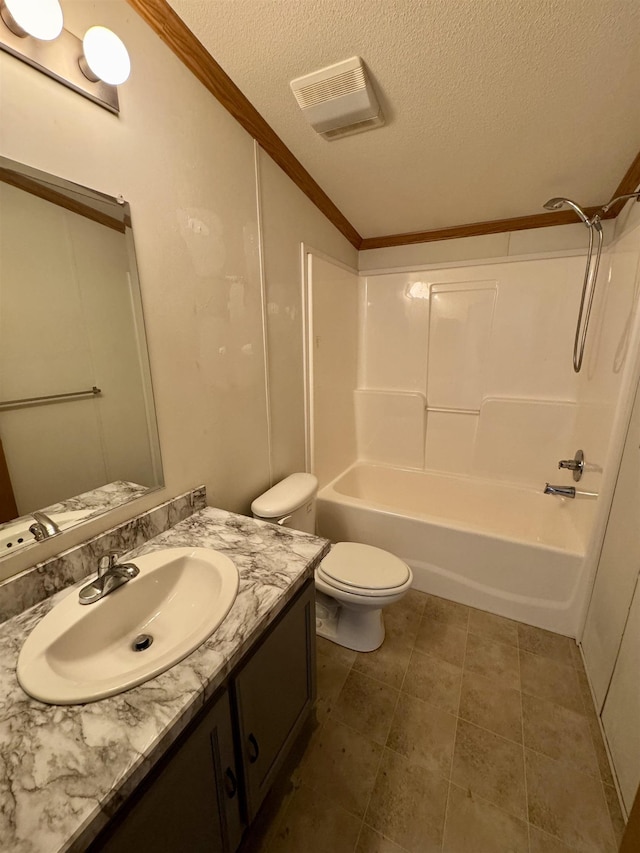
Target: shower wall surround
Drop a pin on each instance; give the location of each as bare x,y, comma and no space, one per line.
486,350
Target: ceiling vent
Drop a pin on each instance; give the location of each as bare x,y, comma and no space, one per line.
338,100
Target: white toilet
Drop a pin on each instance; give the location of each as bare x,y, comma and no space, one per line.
353,582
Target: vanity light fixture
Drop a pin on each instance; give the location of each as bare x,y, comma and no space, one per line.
41,19
104,57
32,31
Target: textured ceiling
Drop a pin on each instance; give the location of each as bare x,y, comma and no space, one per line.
492,106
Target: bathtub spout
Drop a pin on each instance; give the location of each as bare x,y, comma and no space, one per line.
562,491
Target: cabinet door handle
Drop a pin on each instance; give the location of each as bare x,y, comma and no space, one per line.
254,749
230,783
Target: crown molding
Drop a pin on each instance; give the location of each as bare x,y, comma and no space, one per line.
477,229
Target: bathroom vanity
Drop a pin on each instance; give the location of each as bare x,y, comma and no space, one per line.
182,761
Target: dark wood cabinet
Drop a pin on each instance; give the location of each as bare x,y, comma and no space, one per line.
193,801
208,788
273,693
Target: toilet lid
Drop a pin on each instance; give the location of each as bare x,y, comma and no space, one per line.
364,567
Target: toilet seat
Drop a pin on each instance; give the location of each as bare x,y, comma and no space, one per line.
364,570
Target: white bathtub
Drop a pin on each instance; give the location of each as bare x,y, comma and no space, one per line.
503,548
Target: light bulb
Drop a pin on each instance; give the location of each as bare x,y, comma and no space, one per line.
41,19
105,56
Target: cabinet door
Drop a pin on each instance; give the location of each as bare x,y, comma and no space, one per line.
274,692
192,803
227,778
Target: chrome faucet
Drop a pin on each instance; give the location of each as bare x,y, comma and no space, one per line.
562,491
43,527
111,575
567,492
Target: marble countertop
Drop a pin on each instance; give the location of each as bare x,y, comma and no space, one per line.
99,500
64,770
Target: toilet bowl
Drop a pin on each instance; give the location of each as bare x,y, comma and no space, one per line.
353,582
362,580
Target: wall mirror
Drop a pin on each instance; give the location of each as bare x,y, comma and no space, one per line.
78,432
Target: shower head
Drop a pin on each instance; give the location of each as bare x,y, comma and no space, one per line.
557,203
554,203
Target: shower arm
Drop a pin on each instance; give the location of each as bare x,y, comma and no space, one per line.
590,277
615,200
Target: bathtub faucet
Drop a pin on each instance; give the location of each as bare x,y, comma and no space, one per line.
563,491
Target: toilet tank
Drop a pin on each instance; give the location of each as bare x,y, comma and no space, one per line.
290,503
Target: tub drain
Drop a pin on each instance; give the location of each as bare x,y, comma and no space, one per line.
142,642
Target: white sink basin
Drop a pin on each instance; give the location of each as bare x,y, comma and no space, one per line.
80,653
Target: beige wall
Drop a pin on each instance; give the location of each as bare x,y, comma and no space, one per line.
188,171
289,219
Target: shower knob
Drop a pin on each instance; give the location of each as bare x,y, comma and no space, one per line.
576,465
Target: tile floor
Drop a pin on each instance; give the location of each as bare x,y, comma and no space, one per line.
464,733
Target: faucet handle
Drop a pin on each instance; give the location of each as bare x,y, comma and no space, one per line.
108,561
576,465
571,464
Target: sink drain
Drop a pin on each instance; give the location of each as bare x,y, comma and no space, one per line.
142,642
